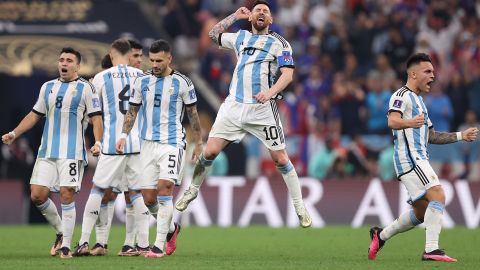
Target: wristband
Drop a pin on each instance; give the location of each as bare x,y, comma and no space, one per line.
459,136
123,136
12,134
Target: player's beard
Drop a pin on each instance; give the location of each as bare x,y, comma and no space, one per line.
259,28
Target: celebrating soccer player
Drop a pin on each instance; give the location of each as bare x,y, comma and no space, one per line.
412,131
163,95
65,102
250,106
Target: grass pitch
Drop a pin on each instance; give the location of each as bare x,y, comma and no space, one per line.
27,247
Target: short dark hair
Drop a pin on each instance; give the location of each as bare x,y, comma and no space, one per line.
260,2
160,46
121,45
72,51
418,58
106,62
135,44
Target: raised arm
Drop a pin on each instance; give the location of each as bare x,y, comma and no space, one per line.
435,137
197,137
27,123
223,25
128,122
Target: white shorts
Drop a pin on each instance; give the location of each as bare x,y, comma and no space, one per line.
421,178
161,161
120,172
56,173
234,120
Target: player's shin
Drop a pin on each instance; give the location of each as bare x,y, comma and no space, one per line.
164,219
50,212
433,225
141,219
90,214
69,215
202,167
129,226
403,223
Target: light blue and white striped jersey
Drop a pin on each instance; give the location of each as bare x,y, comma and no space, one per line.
114,89
163,100
258,59
410,144
66,106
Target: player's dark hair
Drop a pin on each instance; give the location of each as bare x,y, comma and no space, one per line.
260,2
135,44
160,46
106,62
418,58
122,46
72,51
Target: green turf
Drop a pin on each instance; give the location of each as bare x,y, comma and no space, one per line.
27,247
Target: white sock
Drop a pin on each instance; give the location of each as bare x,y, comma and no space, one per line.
69,215
403,223
91,214
171,229
141,219
202,167
50,212
433,225
153,209
164,218
111,212
293,184
130,226
101,225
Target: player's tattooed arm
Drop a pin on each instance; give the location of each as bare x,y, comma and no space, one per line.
221,27
130,117
435,137
195,124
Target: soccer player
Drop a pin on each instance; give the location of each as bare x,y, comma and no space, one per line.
412,130
107,210
65,102
113,170
164,94
250,106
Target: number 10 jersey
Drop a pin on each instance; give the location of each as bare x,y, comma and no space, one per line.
114,86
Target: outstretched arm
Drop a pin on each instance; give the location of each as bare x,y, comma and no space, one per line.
27,123
435,137
195,123
223,25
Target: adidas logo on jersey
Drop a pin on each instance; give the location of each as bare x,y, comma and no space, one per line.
274,144
171,172
73,180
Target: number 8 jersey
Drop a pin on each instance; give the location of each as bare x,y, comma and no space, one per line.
114,86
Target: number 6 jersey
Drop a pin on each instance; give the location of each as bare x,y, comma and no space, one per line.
114,89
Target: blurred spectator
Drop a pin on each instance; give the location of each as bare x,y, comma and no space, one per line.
17,160
386,171
439,108
376,103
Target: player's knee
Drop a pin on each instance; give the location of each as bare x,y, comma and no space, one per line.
210,154
67,195
38,198
436,193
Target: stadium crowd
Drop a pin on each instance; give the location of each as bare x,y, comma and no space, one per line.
350,57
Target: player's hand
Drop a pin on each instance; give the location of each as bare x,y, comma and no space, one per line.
263,96
418,121
242,13
197,151
8,138
470,134
96,149
120,145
